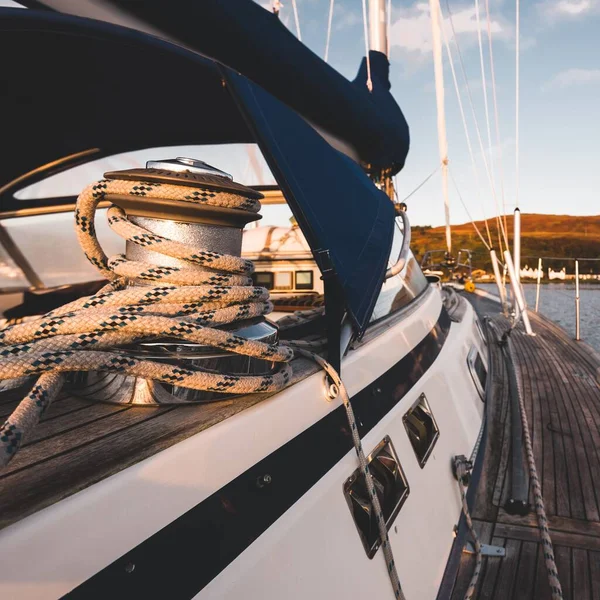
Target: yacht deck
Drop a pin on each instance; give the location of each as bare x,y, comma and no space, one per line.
562,398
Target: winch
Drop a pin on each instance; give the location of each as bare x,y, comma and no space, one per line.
206,227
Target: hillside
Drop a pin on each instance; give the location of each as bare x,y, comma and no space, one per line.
542,236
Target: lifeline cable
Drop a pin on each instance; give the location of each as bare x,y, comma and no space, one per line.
85,335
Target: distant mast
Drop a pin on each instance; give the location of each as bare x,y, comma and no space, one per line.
436,38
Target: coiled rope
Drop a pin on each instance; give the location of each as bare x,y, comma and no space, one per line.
85,335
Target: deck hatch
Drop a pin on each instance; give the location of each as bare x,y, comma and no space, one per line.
478,371
392,490
422,429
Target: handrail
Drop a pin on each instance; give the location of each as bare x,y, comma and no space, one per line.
404,249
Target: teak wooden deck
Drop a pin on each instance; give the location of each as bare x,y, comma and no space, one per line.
559,379
78,443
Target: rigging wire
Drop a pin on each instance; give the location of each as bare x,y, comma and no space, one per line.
496,114
477,128
484,87
488,246
297,20
466,129
329,30
366,32
422,182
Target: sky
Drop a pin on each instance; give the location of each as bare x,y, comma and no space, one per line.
559,100
559,91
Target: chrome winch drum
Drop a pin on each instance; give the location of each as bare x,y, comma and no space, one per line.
205,227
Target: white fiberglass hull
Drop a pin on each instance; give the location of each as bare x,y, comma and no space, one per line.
309,547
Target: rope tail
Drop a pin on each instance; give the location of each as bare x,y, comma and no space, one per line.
364,469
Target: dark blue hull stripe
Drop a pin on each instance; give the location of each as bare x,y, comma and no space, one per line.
178,561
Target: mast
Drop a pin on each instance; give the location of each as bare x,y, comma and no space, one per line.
436,25
376,16
378,26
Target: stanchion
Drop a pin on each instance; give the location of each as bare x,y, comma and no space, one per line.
517,292
499,283
517,245
577,337
537,291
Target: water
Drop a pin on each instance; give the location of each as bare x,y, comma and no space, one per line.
557,302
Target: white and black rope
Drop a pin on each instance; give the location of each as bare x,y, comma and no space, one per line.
364,469
187,304
538,499
461,470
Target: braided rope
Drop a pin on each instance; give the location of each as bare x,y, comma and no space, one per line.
364,469
460,466
540,509
85,335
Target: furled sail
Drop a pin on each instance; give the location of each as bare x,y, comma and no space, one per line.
251,40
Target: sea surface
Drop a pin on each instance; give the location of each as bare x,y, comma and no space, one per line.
557,302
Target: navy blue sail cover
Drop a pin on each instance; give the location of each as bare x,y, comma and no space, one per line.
253,41
337,206
70,84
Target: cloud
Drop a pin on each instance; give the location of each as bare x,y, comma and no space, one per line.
573,77
555,10
411,29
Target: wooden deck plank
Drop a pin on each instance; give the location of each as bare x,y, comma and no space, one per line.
84,415
546,466
581,493
583,499
541,588
505,584
594,564
581,575
80,457
490,575
467,561
79,442
531,534
555,523
30,455
526,571
564,477
562,555
562,402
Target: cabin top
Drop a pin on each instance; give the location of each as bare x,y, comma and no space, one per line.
275,242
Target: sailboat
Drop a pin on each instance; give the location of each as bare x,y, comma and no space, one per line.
163,436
